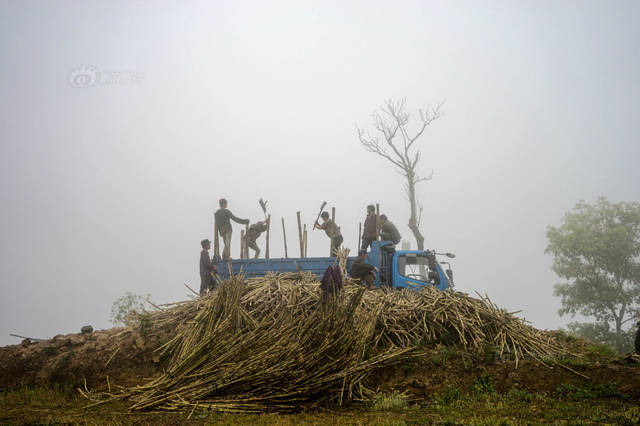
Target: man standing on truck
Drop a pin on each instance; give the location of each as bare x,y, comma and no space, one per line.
332,230
254,232
370,228
223,215
388,231
362,271
206,268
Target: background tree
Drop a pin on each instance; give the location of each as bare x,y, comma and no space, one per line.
597,248
127,309
397,147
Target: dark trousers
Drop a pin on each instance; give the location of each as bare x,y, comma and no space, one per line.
206,283
335,244
366,243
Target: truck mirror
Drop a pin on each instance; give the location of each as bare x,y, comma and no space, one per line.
450,274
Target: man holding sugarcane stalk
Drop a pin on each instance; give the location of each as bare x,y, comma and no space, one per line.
332,230
223,218
253,233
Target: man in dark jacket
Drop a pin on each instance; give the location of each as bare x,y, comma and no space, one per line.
254,232
361,270
388,231
370,228
331,283
223,217
332,230
206,268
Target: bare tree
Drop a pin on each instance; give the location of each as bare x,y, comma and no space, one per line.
398,148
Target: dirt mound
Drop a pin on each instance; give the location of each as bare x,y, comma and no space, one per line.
130,360
437,373
453,341
123,354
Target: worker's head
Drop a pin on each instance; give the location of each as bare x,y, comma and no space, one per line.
383,218
325,216
223,202
371,209
362,253
206,244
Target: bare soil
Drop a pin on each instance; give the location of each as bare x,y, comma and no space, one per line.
120,353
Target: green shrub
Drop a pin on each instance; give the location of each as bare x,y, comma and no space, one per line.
387,402
490,354
579,393
482,385
144,324
601,352
442,354
449,396
126,309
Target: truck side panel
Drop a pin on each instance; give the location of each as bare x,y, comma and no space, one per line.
259,267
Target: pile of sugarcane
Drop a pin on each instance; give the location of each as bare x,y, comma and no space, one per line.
271,344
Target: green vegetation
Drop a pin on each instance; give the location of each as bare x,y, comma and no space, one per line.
589,353
596,249
442,354
579,393
449,396
127,309
144,325
57,405
482,385
524,396
389,402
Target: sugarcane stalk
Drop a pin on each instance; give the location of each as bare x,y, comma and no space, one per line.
266,250
300,240
284,237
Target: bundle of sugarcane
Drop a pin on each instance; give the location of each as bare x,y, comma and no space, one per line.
230,358
269,343
432,315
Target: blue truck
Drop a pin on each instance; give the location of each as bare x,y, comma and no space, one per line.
411,269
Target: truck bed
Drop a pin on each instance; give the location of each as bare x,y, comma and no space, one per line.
258,267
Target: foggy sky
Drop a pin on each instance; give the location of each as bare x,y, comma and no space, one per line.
110,188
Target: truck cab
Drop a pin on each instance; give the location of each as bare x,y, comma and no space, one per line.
412,269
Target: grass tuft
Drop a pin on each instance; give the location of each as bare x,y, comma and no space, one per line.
389,402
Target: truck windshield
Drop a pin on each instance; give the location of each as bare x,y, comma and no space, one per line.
414,266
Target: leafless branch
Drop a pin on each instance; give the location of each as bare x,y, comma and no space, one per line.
427,117
372,144
424,178
390,121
